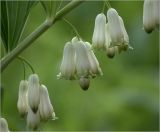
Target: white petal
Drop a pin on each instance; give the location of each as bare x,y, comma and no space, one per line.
3,125
67,67
95,68
22,103
82,60
148,16
33,119
45,106
114,26
33,92
98,39
107,36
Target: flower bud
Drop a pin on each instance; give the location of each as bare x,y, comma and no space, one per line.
114,27
110,52
22,103
94,64
98,39
67,68
33,119
3,125
149,16
84,83
45,107
82,60
33,92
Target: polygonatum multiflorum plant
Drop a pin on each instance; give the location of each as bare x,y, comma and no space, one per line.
79,61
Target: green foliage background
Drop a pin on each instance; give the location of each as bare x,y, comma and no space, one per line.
126,97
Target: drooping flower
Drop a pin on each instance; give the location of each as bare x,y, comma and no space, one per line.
115,28
67,68
33,119
151,15
22,103
98,39
82,60
3,125
94,64
33,92
45,107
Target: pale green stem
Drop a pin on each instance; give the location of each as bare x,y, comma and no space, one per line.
73,27
35,34
27,62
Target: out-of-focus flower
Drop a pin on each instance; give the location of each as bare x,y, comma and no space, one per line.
67,68
33,119
3,125
151,18
22,103
33,92
45,107
98,39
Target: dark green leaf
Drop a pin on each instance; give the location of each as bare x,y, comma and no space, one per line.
13,18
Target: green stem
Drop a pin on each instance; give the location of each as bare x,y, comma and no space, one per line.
73,27
27,62
37,33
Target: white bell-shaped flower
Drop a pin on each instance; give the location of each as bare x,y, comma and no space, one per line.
94,64
33,92
3,125
115,28
149,16
33,119
45,107
98,39
67,68
22,103
82,60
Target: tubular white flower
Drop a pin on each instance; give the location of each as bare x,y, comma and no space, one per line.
45,107
98,39
67,68
33,119
114,27
82,60
22,103
149,16
94,64
33,92
3,125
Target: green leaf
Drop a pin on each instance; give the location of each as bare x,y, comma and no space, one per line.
14,15
50,7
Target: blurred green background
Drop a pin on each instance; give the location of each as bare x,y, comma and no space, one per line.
125,98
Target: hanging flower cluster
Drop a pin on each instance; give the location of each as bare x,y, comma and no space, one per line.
151,15
34,101
4,125
110,36
79,62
